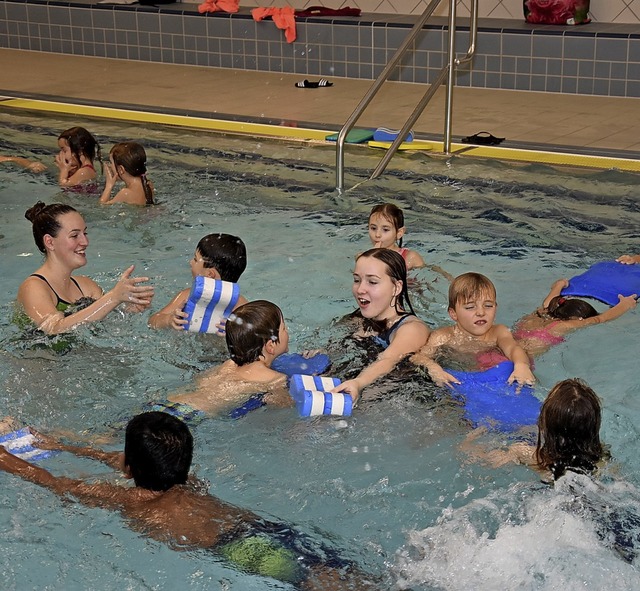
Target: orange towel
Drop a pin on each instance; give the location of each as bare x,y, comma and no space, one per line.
215,5
284,18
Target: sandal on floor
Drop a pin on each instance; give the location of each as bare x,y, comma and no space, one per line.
482,138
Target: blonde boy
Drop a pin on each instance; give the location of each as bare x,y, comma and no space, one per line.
472,306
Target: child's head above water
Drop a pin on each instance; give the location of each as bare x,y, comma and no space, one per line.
77,142
133,159
225,253
251,327
569,428
564,308
469,287
386,225
158,450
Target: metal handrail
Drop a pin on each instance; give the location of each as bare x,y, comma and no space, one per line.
447,72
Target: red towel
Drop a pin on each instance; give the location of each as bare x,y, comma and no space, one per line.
283,18
215,5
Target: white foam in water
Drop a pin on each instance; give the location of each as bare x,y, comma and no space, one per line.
542,540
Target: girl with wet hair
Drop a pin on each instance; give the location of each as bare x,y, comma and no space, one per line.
75,160
537,332
128,163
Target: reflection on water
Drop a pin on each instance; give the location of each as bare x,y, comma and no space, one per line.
390,473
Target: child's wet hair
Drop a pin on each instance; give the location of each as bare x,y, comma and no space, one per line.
81,142
396,268
564,308
158,450
225,253
391,213
569,429
250,328
45,219
133,158
468,287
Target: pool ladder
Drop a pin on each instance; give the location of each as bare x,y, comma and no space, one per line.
447,73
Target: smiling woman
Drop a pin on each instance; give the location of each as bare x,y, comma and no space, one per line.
380,290
54,300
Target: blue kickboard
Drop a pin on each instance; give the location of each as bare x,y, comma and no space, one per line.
604,281
489,401
294,363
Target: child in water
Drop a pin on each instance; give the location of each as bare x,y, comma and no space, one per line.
387,229
472,306
78,151
568,435
380,290
256,334
127,163
168,505
218,256
536,333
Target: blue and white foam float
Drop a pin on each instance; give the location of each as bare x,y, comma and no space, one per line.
490,402
210,301
20,443
313,397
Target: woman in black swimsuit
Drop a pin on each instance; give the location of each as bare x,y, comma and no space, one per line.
61,235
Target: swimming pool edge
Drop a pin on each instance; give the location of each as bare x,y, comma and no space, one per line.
292,130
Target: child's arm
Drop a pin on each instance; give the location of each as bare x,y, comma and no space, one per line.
425,357
521,364
629,259
24,163
408,339
517,453
69,175
555,291
101,494
113,459
172,315
109,184
625,304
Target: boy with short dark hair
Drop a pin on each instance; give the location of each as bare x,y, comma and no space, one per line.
157,455
217,256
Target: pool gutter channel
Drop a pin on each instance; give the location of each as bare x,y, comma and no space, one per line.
313,132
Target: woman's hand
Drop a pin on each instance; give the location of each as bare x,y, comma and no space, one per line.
128,289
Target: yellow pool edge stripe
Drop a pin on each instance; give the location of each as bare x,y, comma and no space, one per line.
285,131
194,122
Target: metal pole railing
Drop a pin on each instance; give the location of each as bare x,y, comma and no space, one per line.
446,73
379,81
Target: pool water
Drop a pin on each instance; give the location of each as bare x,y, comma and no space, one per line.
389,485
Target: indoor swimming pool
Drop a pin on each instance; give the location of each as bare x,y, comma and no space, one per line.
388,487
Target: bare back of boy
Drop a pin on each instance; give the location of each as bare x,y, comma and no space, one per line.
228,385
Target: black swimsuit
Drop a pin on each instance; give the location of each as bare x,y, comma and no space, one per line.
61,305
384,338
